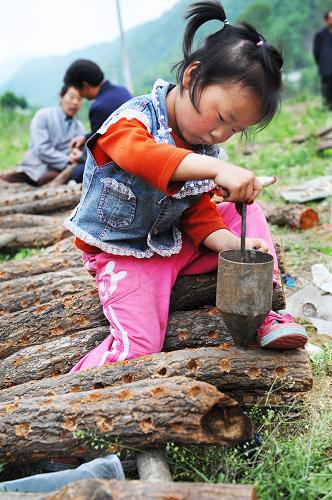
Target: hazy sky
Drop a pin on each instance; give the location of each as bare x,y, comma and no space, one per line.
45,27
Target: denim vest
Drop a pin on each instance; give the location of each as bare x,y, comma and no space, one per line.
121,213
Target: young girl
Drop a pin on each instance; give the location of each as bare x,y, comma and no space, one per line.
145,215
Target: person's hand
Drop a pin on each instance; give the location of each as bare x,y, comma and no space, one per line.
256,244
223,239
237,184
75,155
77,142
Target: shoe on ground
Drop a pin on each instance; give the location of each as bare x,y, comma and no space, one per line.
281,332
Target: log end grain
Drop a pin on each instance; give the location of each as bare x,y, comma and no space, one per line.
309,218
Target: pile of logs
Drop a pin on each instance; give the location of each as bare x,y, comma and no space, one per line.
51,317
192,392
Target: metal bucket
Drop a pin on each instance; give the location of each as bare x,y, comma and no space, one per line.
244,291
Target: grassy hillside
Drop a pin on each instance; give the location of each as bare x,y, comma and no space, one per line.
153,47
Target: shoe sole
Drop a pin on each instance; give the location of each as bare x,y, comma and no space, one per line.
285,338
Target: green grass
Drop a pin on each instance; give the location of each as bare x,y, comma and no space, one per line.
14,138
292,163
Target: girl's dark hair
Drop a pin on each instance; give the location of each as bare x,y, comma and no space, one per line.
231,55
327,13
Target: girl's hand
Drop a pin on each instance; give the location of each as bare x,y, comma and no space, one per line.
237,183
223,239
256,244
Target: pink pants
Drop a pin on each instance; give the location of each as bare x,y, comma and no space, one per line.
135,293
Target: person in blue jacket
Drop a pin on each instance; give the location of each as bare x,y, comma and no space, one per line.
87,77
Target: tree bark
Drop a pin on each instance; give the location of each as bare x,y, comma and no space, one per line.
124,490
36,237
14,187
49,359
40,324
249,371
43,200
28,220
295,216
55,258
23,293
140,414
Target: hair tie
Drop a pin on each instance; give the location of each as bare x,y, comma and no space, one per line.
260,43
226,21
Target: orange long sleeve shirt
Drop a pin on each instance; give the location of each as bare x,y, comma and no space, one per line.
129,144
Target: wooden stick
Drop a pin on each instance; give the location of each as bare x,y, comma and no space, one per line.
64,176
152,466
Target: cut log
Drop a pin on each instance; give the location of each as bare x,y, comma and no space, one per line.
233,370
43,200
140,414
14,187
49,321
49,359
28,220
189,292
22,293
135,490
57,257
152,466
35,237
295,216
6,239
74,313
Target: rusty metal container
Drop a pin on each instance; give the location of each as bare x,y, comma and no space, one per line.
244,291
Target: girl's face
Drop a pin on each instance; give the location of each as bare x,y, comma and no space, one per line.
224,110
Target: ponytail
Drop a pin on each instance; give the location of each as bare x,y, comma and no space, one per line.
198,14
232,54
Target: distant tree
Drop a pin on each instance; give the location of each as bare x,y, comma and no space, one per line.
258,14
10,101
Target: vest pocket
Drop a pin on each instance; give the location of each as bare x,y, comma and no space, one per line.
117,204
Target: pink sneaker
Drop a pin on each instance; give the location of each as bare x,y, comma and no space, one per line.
280,332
